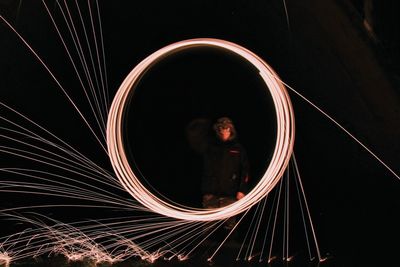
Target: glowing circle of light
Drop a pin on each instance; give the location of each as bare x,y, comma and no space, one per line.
280,158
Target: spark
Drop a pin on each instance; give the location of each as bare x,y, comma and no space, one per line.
383,163
97,115
280,158
177,231
270,259
286,14
5,259
108,241
54,78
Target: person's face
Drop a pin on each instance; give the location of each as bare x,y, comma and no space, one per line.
224,133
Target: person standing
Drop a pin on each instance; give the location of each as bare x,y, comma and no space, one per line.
225,171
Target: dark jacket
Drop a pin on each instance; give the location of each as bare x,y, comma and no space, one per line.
225,169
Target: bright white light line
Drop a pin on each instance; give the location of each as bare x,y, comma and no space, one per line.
83,58
70,187
268,226
107,98
152,228
306,205
281,156
50,239
102,80
99,84
56,80
178,231
341,127
285,238
62,239
45,160
227,236
75,38
79,164
45,186
62,189
274,224
263,203
250,231
61,164
64,147
258,215
287,14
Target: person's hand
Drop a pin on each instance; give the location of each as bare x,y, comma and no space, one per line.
207,197
239,195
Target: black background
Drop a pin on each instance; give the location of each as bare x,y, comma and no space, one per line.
322,51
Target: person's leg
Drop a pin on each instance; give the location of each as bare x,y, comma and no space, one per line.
225,201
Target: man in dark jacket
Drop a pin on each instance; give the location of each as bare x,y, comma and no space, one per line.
225,176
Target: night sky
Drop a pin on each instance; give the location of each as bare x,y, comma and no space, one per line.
322,52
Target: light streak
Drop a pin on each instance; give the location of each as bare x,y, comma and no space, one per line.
73,176
55,79
97,242
281,156
79,51
307,208
286,14
342,128
256,228
71,242
275,218
5,259
117,241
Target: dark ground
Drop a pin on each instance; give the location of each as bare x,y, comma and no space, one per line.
324,53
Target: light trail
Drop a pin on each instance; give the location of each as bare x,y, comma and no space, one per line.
63,146
106,90
110,242
74,162
286,14
256,228
99,116
341,127
55,79
251,231
307,208
227,236
117,239
5,259
103,80
263,248
79,178
280,158
84,62
76,244
274,224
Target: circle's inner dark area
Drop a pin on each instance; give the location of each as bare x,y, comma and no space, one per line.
196,85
